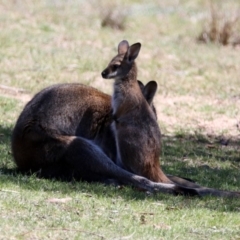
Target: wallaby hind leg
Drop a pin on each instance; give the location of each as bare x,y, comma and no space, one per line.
87,161
76,158
70,157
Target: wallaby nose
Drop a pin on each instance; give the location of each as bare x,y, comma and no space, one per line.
104,74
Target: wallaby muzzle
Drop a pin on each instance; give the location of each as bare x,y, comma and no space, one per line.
104,74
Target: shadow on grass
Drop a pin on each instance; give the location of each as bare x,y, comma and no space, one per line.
6,162
5,133
208,162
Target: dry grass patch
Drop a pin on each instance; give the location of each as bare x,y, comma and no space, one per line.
113,16
205,115
222,28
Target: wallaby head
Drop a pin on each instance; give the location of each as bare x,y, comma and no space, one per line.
123,64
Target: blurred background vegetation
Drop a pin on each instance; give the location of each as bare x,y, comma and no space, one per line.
191,48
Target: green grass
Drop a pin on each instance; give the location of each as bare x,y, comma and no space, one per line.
47,42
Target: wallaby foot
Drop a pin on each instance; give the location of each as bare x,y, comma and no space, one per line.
186,182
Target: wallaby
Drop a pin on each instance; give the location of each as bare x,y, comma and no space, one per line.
137,133
65,132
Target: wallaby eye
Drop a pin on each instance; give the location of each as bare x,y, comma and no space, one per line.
115,67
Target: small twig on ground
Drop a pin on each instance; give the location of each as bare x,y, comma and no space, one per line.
63,229
126,237
8,191
12,89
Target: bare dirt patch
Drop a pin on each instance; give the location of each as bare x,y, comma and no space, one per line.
198,114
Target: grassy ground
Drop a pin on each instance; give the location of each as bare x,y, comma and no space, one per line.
47,42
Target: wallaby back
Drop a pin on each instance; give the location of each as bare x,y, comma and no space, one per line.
52,116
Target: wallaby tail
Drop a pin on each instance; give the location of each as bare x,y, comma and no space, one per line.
175,189
187,185
204,191
199,191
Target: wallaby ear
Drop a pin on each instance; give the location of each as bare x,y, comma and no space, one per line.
149,91
141,85
123,47
133,52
